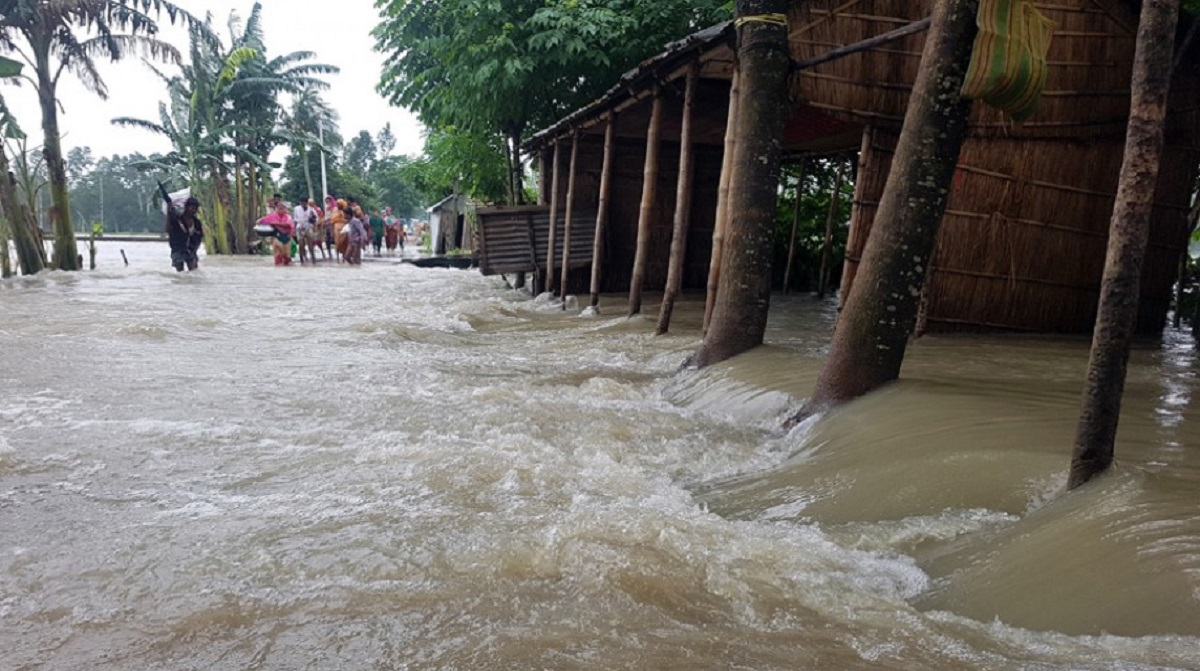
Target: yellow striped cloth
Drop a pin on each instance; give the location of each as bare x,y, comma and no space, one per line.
1008,60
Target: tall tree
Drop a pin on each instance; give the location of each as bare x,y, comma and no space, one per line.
360,153
743,300
118,195
872,332
46,34
79,161
504,66
472,160
385,141
1128,232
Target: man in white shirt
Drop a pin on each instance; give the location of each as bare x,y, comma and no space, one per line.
306,219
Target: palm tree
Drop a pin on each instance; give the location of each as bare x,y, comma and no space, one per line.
44,34
309,118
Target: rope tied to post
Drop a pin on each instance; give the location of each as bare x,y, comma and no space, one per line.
773,19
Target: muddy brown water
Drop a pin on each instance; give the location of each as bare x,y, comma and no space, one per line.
388,467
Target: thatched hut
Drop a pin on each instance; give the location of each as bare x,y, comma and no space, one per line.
1022,244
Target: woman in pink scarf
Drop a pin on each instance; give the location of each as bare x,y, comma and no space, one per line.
285,228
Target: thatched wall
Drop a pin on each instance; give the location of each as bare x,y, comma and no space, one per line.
1022,244
1087,85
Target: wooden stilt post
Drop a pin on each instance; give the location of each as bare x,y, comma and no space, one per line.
602,210
791,257
649,186
835,198
866,160
683,206
722,217
566,253
543,185
548,287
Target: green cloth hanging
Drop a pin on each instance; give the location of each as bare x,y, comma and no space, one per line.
1008,60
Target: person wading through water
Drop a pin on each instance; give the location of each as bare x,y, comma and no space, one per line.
184,234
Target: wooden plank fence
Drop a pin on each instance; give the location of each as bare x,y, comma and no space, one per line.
513,239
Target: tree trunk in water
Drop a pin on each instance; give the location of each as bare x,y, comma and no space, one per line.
683,207
649,188
1128,231
29,253
871,335
252,207
66,254
6,270
743,299
239,208
602,210
835,198
218,215
721,221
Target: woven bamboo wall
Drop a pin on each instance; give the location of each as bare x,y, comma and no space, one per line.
1087,86
1022,245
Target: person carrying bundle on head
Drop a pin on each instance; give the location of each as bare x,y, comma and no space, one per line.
184,232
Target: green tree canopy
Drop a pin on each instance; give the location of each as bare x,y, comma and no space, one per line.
505,66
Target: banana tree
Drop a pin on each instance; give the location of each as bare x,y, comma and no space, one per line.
255,98
46,35
16,219
196,146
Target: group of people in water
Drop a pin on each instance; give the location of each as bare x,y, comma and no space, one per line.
340,231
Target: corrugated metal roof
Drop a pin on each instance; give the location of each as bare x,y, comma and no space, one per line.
673,54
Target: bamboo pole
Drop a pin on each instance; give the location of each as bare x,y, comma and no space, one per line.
866,161
548,286
864,45
683,205
722,216
566,254
602,209
649,187
791,257
834,199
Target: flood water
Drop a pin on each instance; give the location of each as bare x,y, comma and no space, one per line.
388,467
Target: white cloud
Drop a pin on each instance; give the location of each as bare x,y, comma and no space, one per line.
338,33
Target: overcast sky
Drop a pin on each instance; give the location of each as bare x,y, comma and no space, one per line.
338,32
